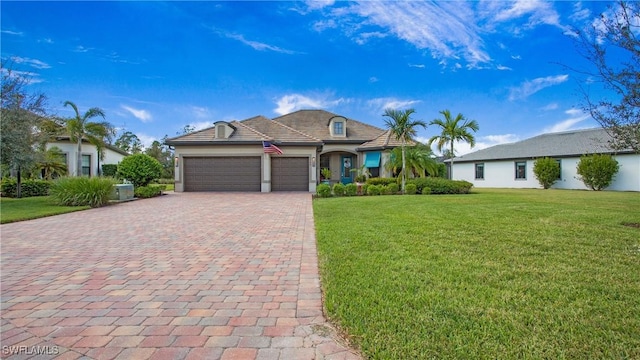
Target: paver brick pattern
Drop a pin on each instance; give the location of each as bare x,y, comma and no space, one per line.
182,276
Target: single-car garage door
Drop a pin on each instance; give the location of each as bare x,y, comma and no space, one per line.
289,174
232,173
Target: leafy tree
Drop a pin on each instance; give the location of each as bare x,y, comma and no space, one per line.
164,155
187,129
404,129
129,142
418,158
597,171
140,169
452,130
612,48
547,171
79,128
52,163
21,112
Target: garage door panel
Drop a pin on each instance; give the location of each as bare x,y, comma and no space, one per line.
290,174
237,173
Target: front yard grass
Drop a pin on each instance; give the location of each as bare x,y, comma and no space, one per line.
12,210
509,274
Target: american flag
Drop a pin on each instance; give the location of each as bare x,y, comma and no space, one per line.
269,148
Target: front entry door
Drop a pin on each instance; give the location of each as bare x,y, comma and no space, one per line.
346,173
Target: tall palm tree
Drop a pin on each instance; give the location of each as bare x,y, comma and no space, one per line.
79,128
52,163
452,130
404,129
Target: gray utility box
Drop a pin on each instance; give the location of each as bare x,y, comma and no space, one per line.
122,192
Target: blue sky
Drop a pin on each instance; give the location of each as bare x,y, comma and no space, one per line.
155,67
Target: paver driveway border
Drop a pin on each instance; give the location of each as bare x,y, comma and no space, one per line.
182,276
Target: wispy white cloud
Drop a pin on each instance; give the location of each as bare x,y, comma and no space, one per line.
363,38
323,25
292,102
551,106
28,76
373,79
503,68
256,45
575,119
200,112
31,62
419,66
46,41
140,114
9,32
82,49
448,30
529,88
319,4
579,13
381,104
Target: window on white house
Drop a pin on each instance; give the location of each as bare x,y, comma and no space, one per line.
220,132
480,171
521,170
86,165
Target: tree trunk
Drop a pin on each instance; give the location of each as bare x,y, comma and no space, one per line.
19,184
79,158
404,167
451,163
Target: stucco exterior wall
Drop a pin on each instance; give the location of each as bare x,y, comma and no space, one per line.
501,174
247,150
69,149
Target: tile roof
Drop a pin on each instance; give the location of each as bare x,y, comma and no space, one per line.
315,123
561,144
384,141
300,127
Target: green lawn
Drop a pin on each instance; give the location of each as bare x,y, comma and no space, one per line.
508,274
12,210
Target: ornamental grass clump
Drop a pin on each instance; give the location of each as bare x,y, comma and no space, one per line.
82,191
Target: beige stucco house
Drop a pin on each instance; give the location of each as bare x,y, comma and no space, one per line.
231,156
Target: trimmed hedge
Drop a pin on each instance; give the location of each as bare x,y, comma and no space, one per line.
374,189
381,181
29,187
351,189
145,192
109,170
323,190
410,189
338,189
441,186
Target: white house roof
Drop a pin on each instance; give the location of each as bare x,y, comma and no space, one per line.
561,144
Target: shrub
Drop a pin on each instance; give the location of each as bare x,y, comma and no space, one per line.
323,190
145,192
29,187
547,171
597,171
393,188
109,170
426,191
442,186
410,189
365,188
382,181
82,191
338,189
351,189
140,169
373,190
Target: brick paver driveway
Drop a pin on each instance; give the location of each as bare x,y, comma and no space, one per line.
183,276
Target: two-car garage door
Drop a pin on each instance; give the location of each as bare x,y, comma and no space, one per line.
242,173
231,173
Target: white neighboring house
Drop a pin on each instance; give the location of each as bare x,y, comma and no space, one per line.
511,165
91,165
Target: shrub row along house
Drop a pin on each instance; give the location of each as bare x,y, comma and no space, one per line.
511,165
281,154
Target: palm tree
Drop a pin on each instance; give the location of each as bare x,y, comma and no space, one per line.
404,129
52,163
418,158
80,128
452,130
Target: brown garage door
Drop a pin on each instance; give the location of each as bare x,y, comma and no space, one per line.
289,174
233,173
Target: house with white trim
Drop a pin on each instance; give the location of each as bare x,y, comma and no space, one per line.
511,165
230,156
